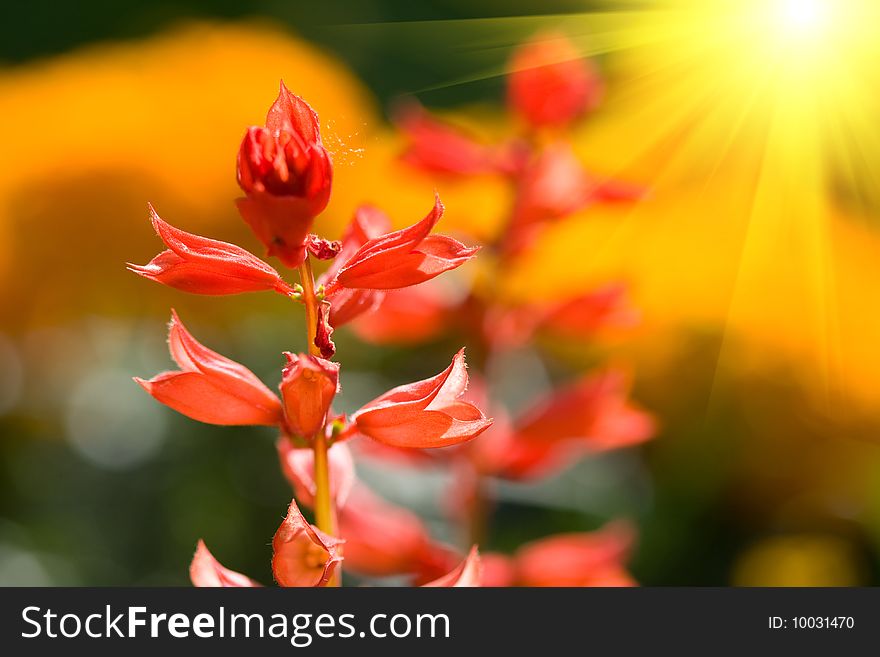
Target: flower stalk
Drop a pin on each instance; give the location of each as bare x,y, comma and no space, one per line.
325,515
285,174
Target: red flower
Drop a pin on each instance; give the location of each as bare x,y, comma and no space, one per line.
499,570
303,555
298,466
383,540
550,83
409,315
606,307
286,175
308,385
592,414
211,388
368,222
468,574
206,571
582,559
594,410
405,257
554,185
205,266
585,559
426,413
438,147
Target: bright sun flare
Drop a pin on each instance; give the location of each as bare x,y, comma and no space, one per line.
769,107
803,16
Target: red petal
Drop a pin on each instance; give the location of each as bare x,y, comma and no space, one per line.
347,305
303,555
585,559
391,270
402,258
211,388
195,247
453,380
440,147
369,222
409,315
298,466
553,186
594,411
291,113
424,414
608,306
401,241
468,574
498,570
382,539
205,266
206,571
206,400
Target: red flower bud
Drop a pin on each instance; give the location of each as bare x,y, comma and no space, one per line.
550,83
308,385
468,574
426,413
405,257
286,175
206,571
302,554
211,388
205,266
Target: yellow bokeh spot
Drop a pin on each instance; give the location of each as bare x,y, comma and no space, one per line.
798,560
